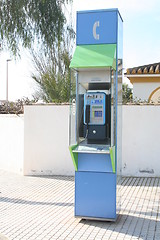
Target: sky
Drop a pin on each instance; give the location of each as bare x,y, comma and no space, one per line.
141,43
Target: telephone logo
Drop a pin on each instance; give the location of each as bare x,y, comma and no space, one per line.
95,35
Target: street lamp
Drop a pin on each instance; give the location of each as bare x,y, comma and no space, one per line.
8,60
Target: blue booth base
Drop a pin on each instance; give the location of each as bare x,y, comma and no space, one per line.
95,195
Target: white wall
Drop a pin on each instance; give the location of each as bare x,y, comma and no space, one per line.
46,140
38,144
140,140
11,142
143,90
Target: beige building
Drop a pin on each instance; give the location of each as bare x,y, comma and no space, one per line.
146,82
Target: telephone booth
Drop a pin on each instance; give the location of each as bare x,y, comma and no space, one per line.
95,113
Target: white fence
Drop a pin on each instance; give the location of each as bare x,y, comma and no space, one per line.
38,143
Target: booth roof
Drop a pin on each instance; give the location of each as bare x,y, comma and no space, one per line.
94,56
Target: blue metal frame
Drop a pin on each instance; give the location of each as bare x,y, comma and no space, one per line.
95,181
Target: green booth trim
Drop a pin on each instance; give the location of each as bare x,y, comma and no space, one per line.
94,56
74,156
112,155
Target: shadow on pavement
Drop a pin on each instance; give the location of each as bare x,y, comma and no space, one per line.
28,202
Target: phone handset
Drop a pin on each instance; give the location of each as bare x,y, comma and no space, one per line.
87,118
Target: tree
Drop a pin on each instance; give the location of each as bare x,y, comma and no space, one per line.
41,26
53,82
127,94
26,22
52,70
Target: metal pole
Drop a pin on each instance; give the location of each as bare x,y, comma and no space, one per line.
7,80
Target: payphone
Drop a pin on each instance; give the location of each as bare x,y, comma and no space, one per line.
96,117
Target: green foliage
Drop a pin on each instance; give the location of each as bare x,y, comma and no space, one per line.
24,22
52,72
16,107
127,94
41,26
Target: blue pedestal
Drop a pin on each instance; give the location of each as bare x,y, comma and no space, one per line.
95,195
95,187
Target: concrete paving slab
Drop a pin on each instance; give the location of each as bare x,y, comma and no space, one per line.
43,208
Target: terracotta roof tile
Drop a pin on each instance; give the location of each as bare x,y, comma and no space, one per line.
153,68
145,71
157,70
139,71
133,71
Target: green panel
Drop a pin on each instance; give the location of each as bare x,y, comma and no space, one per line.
94,56
112,155
74,156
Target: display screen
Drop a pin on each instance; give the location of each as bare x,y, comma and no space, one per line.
97,101
98,113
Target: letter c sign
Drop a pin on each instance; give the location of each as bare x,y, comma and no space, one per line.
95,35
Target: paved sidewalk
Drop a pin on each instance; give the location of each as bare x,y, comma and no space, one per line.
43,208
